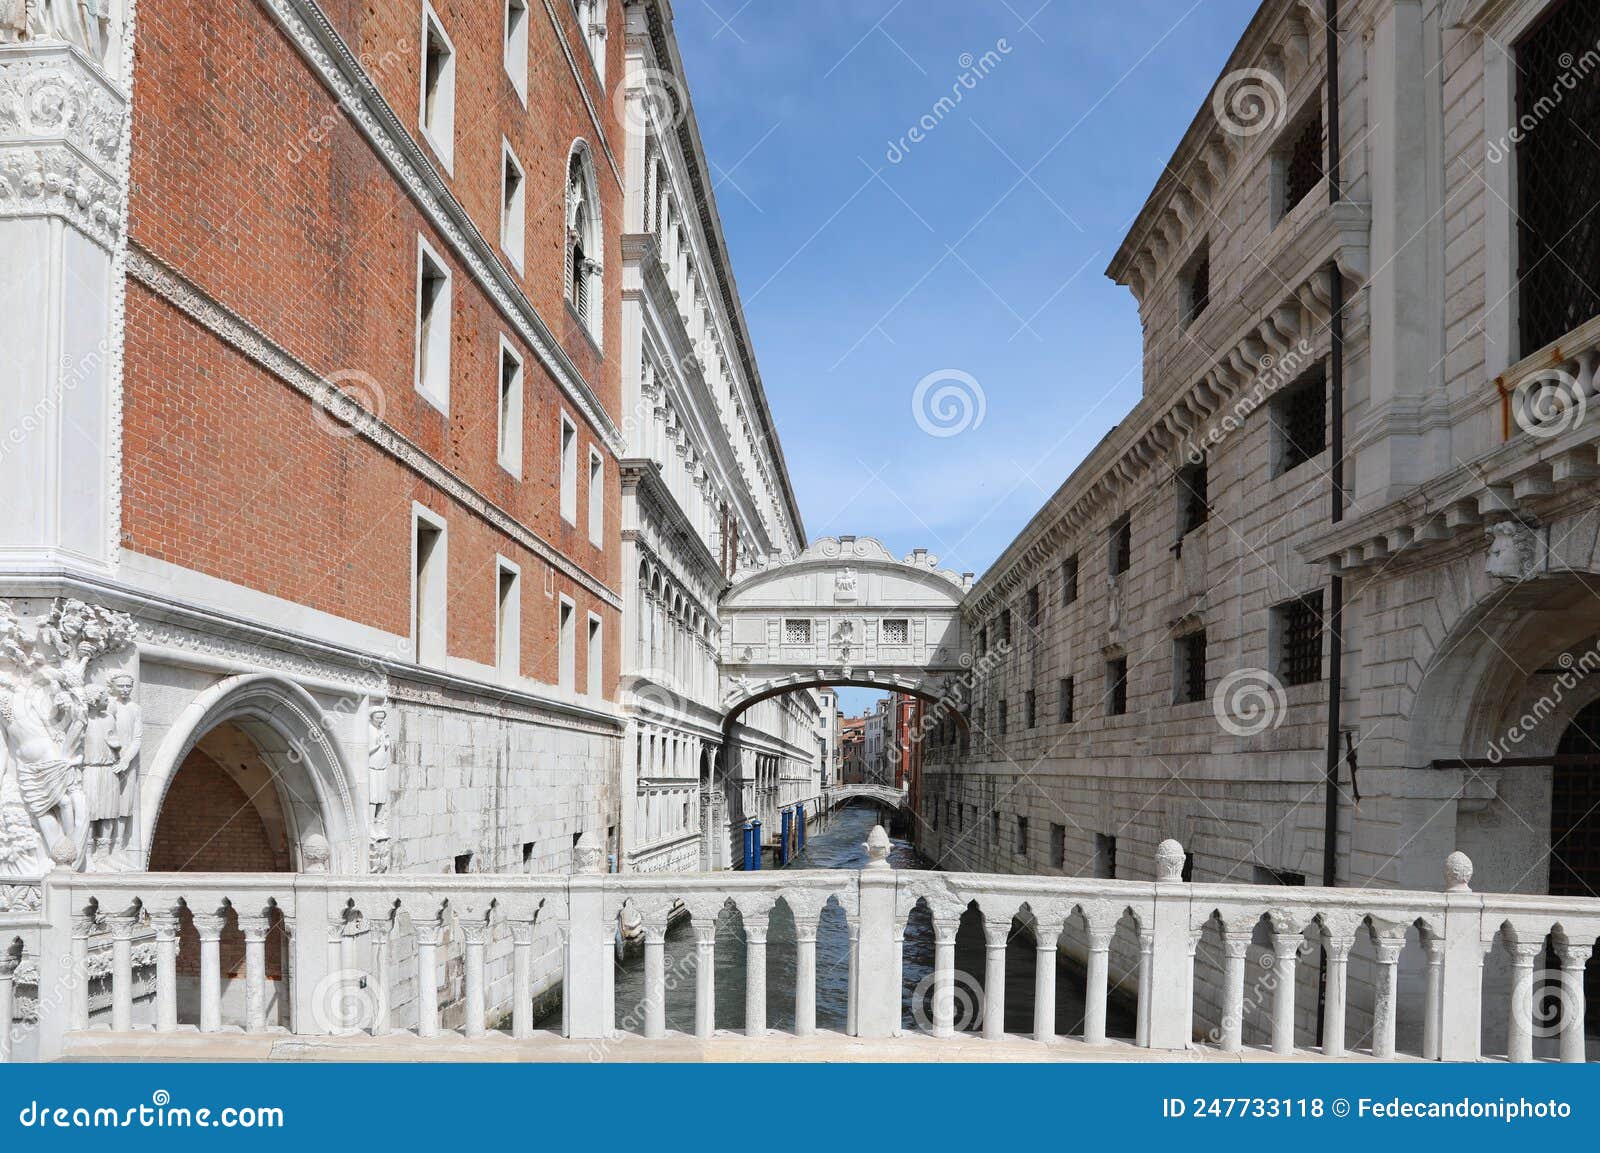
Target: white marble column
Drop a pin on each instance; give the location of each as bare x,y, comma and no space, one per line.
1574,960
705,978
476,931
1285,963
429,934
994,979
1519,1021
805,977
166,927
655,980
123,927
755,979
382,993
853,994
1338,963
1235,946
1432,1001
255,972
944,975
1097,985
1044,983
1385,994
78,990
1147,944
522,979
209,927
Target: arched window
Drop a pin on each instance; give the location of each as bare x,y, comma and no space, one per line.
591,16
584,244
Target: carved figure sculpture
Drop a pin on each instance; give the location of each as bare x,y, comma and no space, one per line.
85,23
128,732
101,759
1513,551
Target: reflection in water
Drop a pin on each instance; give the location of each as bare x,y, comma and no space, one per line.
841,846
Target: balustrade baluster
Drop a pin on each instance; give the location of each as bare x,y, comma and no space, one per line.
944,976
166,927
1338,964
1044,982
123,927
852,995
1385,994
705,978
522,979
1285,962
476,932
755,979
655,980
994,979
382,1018
1519,1020
78,978
428,936
805,980
1096,987
1574,960
209,926
1432,1000
1235,946
1147,947
255,972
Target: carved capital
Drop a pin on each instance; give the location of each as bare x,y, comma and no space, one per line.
165,926
522,932
476,931
429,933
255,929
209,926
1574,956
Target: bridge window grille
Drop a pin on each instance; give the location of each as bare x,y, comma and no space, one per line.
897,632
1022,836
1030,716
1302,162
1558,177
1065,690
1299,628
1117,686
1058,846
1191,668
1069,580
796,632
1121,544
1300,416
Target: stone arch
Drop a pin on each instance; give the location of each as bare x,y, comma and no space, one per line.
585,240
288,728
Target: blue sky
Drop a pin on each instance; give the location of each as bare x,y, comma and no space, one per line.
973,259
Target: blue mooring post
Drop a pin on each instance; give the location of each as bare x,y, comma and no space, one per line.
755,836
800,817
747,854
783,844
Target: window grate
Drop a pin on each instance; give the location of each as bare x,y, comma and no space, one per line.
1117,685
1302,414
1301,646
1193,508
1121,544
1069,580
1303,165
1558,177
1192,668
796,632
1030,713
1066,688
1575,826
896,632
1033,607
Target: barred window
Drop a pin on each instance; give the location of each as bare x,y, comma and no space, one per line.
1033,607
1000,716
1121,544
1065,691
1030,716
1117,686
1558,176
1058,846
1193,508
796,632
1069,580
1195,286
994,827
1302,161
1300,418
1298,626
1005,626
1022,836
897,632
1190,673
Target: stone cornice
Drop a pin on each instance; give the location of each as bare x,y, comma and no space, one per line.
645,476
307,27
256,346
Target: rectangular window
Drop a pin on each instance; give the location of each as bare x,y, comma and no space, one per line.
1300,422
597,498
1558,248
1117,686
1264,875
433,327
516,55
513,207
1297,629
438,103
1298,163
1005,628
508,618
961,818
1193,509
528,856
1058,846
569,471
897,632
797,631
1120,544
566,645
1000,715
994,827
1030,716
1069,580
594,666
1105,856
429,591
1189,671
983,641
1034,609
1066,706
1022,836
510,438
463,864
1194,286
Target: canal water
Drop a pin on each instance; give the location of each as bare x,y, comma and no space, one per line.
841,845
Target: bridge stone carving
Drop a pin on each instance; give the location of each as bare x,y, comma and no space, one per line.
843,612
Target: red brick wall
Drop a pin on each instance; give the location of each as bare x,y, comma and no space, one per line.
249,179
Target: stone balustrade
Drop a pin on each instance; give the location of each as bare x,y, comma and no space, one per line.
338,936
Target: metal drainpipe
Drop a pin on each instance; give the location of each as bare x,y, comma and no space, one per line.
1330,807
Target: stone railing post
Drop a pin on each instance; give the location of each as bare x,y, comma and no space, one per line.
165,923
1337,946
475,929
8,1002
655,979
587,1008
1287,940
1574,960
1235,947
878,947
994,979
1389,940
522,979
705,977
755,977
123,926
1170,1016
1431,1003
209,926
382,929
308,952
429,934
944,975
56,978
1047,935
1519,1019
255,929
1461,975
1098,981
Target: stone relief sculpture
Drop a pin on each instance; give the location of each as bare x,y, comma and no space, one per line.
101,759
844,585
380,755
45,713
1513,551
127,723
88,24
